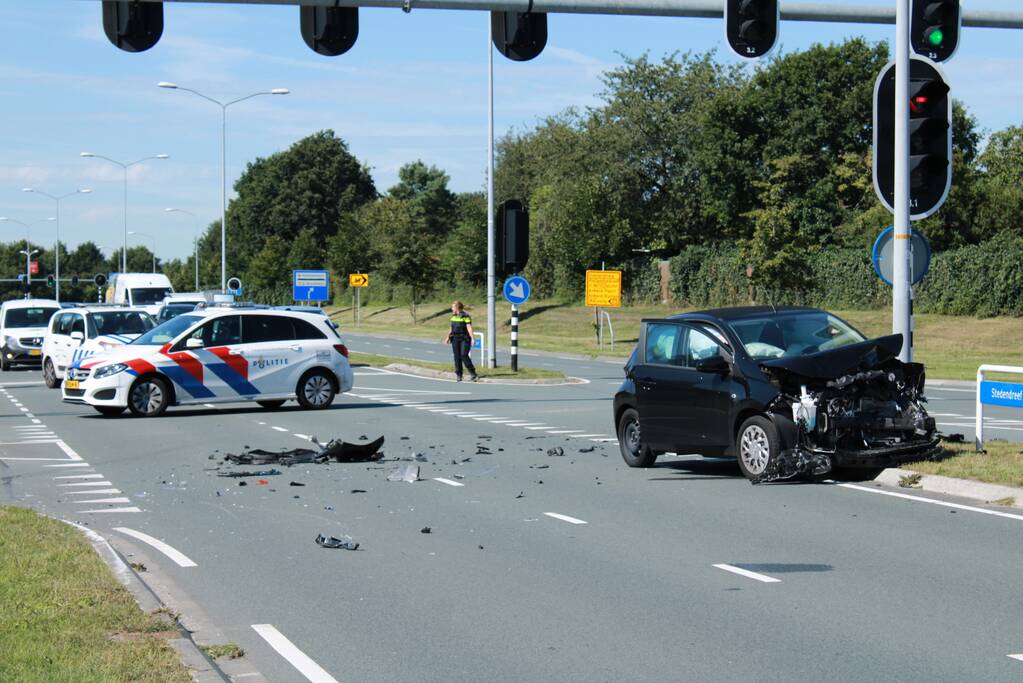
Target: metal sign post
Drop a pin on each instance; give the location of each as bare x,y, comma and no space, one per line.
901,314
516,292
491,361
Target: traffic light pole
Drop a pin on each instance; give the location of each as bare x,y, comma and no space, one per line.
491,360
902,319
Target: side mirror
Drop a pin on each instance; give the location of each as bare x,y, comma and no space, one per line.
78,336
713,364
193,343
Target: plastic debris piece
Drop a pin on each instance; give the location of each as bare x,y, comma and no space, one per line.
409,473
363,437
539,467
343,543
243,483
404,438
557,451
245,473
521,495
420,457
329,508
481,547
296,483
953,438
587,449
358,490
262,482
483,450
337,450
426,530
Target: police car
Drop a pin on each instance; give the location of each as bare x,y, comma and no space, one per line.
217,355
85,331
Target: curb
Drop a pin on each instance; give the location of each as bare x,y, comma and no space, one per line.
443,374
964,488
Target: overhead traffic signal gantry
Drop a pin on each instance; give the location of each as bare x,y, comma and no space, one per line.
329,31
751,26
934,28
930,138
519,36
133,26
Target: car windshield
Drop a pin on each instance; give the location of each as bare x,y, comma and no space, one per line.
119,322
28,317
143,296
172,311
793,334
168,331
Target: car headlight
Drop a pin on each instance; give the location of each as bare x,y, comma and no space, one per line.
108,370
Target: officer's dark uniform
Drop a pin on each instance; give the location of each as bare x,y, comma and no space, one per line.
461,343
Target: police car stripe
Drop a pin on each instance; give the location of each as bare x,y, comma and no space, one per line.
186,381
232,378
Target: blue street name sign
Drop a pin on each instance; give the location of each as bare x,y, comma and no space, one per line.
516,290
1001,394
310,285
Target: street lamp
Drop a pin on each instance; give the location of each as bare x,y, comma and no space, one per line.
124,167
195,239
223,161
153,239
28,250
56,249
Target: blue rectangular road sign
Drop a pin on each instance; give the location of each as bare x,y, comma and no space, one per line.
1002,394
310,285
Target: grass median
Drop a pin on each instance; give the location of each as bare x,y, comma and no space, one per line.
377,361
1002,464
63,616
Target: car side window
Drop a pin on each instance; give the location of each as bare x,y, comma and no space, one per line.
62,325
700,346
305,330
77,324
266,328
220,331
663,344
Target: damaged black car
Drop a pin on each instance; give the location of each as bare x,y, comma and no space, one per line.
787,391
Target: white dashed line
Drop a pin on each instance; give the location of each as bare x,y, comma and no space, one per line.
747,573
585,436
177,556
932,501
90,492
71,464
1016,657
89,483
128,509
605,440
104,500
565,431
524,424
536,429
566,518
279,429
449,482
298,659
80,476
304,436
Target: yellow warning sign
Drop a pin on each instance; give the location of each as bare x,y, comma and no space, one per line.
604,288
358,280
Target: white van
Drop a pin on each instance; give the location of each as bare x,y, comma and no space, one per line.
139,290
23,324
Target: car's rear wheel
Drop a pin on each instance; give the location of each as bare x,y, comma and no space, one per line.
315,390
4,364
50,374
756,444
635,452
109,411
148,397
271,405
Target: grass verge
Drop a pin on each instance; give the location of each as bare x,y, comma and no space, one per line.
1002,464
951,347
230,650
377,361
63,616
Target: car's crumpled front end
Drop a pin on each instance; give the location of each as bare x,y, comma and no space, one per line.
855,406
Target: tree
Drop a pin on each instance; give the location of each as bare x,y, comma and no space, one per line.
426,188
405,243
268,279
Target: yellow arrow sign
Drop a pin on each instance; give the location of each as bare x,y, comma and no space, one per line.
358,280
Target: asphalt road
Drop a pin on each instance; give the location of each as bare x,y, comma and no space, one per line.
537,567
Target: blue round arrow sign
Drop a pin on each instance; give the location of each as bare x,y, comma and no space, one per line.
516,290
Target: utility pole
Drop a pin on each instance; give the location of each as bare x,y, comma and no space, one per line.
491,361
902,313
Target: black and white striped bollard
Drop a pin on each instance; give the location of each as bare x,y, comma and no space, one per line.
515,338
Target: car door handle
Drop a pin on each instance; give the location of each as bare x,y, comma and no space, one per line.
295,347
235,352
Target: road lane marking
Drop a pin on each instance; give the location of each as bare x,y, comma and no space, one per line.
764,578
68,450
304,436
71,464
174,554
605,440
298,659
411,391
566,518
104,500
448,481
80,476
565,431
209,405
279,429
37,421
1017,657
474,415
89,483
536,429
586,436
932,501
127,509
524,424
89,492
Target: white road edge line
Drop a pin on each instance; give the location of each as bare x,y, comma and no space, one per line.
178,557
128,509
90,492
449,482
1018,657
80,476
88,483
104,500
303,436
279,429
932,501
747,573
566,518
298,659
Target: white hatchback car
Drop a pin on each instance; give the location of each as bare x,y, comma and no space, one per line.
23,324
217,355
77,333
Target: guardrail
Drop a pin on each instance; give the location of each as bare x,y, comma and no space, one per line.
1008,394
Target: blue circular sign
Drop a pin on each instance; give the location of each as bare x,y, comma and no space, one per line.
516,290
884,250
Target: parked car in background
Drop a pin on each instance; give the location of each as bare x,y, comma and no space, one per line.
78,333
23,324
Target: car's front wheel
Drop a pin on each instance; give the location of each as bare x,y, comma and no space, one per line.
315,390
4,364
756,444
148,397
635,452
50,374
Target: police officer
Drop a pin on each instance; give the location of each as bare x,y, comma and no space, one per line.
460,337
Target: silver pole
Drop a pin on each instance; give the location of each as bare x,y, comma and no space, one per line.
491,275
195,247
901,323
124,254
223,199
56,256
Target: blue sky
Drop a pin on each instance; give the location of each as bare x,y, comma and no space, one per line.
413,87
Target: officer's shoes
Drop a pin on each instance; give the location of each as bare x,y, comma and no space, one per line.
473,378
458,378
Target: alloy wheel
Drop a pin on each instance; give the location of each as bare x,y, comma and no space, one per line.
318,390
754,449
147,397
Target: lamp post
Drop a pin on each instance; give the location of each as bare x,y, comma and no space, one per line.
223,161
56,249
152,240
195,239
28,250
124,167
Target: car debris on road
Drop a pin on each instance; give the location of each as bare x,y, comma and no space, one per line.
336,450
343,543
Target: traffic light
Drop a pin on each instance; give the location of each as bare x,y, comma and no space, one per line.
512,237
50,281
930,138
519,36
934,28
133,26
74,280
329,31
100,280
751,26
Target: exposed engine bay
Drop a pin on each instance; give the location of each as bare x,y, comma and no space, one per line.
856,406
